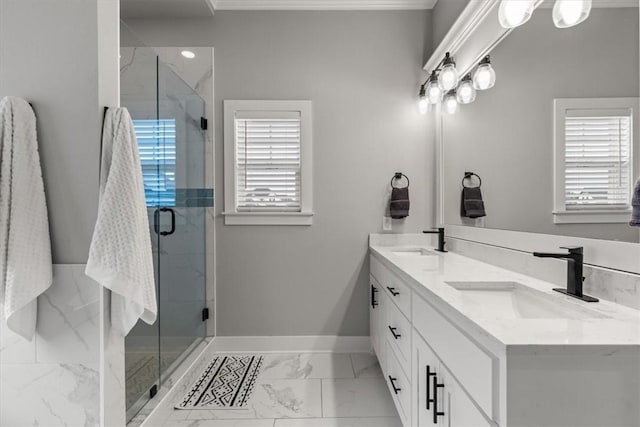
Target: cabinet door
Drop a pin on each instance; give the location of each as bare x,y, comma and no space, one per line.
425,369
454,404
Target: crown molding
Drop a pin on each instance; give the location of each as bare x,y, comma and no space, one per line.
322,4
548,4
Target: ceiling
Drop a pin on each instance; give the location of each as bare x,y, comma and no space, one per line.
206,8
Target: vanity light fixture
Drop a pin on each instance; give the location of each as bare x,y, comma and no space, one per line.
188,54
567,13
451,102
484,77
423,104
513,13
466,92
448,78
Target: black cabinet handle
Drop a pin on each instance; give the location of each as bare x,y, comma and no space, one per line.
436,413
393,291
393,332
173,221
396,390
374,303
429,375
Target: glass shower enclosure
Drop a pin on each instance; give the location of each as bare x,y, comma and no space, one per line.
168,119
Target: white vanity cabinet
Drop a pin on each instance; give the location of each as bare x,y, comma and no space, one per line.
377,318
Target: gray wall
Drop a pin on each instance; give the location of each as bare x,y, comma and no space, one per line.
361,70
443,16
43,60
506,135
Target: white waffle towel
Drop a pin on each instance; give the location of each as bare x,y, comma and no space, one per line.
26,270
120,257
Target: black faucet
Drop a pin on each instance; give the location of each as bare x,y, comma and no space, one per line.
575,260
441,242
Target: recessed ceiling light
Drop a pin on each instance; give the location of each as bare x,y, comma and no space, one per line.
188,54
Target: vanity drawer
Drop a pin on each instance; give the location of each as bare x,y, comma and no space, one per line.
397,291
399,386
399,334
471,365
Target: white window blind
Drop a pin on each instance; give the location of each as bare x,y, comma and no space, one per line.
268,161
157,148
597,161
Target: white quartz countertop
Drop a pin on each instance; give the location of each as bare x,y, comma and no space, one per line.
617,325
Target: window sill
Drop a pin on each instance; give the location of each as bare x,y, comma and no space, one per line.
592,217
268,218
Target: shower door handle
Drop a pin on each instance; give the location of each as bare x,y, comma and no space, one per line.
173,221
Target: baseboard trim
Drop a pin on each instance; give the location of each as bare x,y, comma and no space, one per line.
284,344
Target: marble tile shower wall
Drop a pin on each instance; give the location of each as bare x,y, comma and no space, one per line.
55,379
619,287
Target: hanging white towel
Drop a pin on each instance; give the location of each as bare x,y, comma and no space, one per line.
120,257
26,270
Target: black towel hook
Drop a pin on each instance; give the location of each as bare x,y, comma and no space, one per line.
468,175
398,176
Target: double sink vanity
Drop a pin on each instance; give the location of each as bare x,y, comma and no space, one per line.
465,343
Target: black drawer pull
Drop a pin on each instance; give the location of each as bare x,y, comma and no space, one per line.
393,332
436,413
396,390
374,303
428,385
393,291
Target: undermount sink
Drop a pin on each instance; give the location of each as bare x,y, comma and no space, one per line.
413,252
512,300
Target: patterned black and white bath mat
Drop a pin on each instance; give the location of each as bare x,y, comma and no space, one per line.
227,383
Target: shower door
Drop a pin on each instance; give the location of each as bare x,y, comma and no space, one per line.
171,138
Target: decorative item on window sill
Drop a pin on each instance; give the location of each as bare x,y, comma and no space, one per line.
399,202
635,205
566,13
472,205
443,85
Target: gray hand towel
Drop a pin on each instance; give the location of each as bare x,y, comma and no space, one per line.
472,205
399,204
635,204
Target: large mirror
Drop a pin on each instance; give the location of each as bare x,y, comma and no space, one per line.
555,141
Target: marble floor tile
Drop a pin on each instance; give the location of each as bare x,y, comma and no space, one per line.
220,423
365,365
358,397
306,366
274,399
341,422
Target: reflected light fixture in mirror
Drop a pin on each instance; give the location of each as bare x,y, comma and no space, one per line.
567,13
513,13
434,93
451,102
423,104
466,92
484,77
188,54
448,78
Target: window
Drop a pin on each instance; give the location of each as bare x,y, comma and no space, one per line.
268,162
595,144
157,148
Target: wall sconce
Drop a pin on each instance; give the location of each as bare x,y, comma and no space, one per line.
484,77
451,102
466,92
566,13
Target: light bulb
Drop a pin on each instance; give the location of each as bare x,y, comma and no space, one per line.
188,54
423,104
484,77
448,78
466,93
567,13
451,103
514,13
434,93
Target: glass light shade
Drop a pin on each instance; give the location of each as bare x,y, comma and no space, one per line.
434,93
423,106
451,103
466,93
448,78
567,13
484,77
513,13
